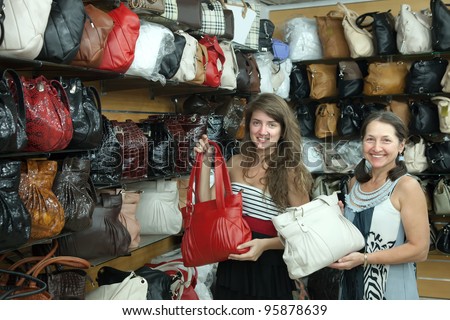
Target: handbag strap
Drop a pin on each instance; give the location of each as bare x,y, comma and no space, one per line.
15,78
2,20
360,20
38,287
222,178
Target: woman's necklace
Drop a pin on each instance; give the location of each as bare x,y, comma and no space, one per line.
360,200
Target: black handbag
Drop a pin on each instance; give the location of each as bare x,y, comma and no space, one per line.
85,111
106,238
13,135
170,63
158,281
425,76
306,117
350,79
15,226
299,83
74,190
438,156
424,117
63,33
443,239
266,30
383,31
350,121
106,160
440,25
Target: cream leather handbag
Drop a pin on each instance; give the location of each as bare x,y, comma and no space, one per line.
315,235
188,63
25,23
413,31
441,198
360,41
415,158
443,104
445,82
133,287
230,67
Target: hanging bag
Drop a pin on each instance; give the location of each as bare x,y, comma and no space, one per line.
414,154
216,60
440,30
25,23
315,235
443,104
441,197
383,31
64,30
327,117
413,31
385,78
212,229
425,76
322,80
331,35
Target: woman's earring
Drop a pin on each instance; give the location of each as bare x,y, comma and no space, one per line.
401,157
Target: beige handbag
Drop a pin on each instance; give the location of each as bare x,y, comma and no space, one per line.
327,116
127,215
441,198
443,104
201,58
359,41
445,82
315,235
25,23
385,78
413,31
188,64
322,80
415,158
230,67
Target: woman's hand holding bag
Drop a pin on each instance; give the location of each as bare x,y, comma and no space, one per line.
212,229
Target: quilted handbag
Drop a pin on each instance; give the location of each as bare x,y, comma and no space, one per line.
212,229
25,23
64,30
315,235
49,125
35,190
97,28
13,135
158,211
118,54
440,30
216,60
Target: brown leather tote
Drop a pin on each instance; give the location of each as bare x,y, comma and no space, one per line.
322,80
331,35
385,78
97,27
327,116
202,61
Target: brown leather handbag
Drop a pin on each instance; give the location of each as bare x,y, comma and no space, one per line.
202,61
322,80
97,27
401,109
331,35
327,116
385,78
147,6
35,190
248,78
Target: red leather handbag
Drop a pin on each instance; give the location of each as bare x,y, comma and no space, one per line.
49,125
120,46
213,229
215,54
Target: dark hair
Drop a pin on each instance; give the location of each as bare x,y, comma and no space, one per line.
401,131
286,162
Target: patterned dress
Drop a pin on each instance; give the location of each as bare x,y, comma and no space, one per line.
381,225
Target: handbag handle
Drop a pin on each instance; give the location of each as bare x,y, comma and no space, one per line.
222,178
15,79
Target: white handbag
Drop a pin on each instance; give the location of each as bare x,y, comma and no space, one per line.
25,24
360,41
188,63
413,31
158,210
315,235
304,43
443,104
414,154
230,67
133,287
445,82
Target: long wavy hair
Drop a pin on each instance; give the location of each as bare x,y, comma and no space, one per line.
362,174
286,160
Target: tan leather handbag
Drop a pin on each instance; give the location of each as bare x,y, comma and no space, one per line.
401,109
327,115
331,35
202,60
385,78
322,80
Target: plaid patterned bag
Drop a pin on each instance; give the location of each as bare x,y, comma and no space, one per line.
170,10
252,40
213,20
